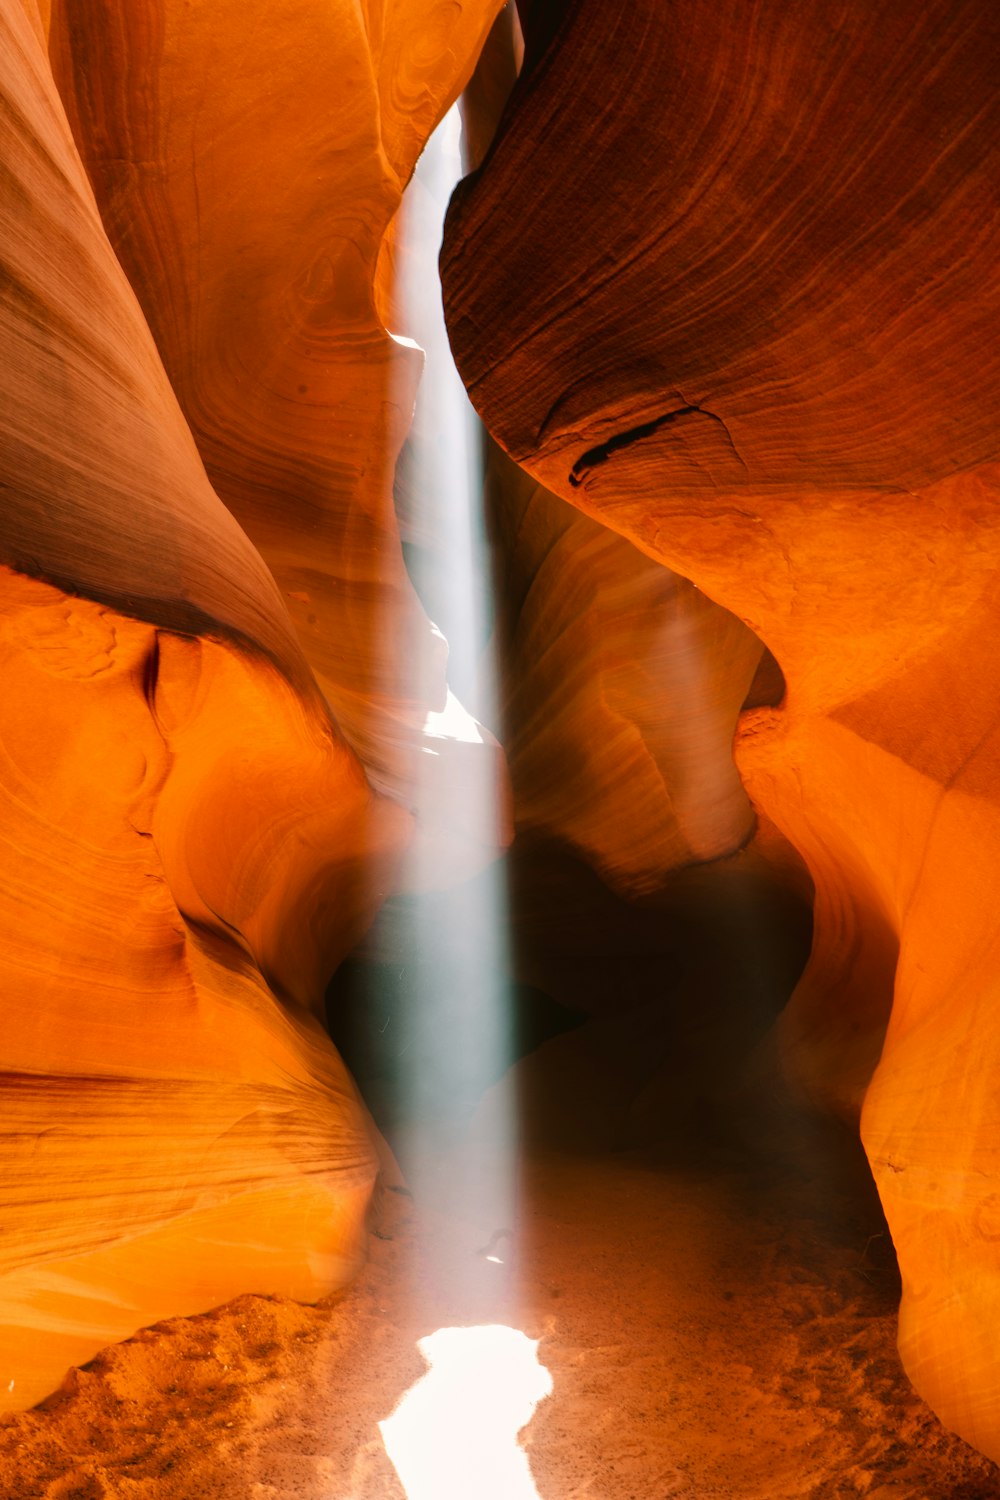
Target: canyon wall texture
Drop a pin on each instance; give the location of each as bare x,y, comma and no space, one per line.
745,316
622,687
191,843
247,161
726,282
620,682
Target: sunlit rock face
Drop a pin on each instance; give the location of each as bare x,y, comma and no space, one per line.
623,686
247,160
190,845
173,1134
747,318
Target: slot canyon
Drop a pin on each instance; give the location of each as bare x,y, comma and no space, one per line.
499,749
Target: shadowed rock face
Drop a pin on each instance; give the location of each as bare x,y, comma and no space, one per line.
621,682
781,224
745,316
103,488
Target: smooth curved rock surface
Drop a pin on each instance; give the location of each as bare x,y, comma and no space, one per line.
623,684
746,316
619,683
783,224
247,160
104,489
175,1134
189,843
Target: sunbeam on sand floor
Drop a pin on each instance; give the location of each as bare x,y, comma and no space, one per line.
455,1432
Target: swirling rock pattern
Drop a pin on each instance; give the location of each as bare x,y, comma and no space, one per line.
793,232
746,316
189,844
623,687
174,1133
621,682
80,376
247,160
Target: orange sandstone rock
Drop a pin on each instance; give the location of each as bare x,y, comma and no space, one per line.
247,160
104,489
189,845
623,683
175,1135
747,316
784,222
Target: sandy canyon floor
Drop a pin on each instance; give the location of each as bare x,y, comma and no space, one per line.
717,1320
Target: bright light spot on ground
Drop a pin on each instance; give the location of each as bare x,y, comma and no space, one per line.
454,1435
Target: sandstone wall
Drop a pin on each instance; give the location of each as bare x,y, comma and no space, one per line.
745,314
191,843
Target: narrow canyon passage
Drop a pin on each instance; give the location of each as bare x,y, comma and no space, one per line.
703,1260
704,1266
498,941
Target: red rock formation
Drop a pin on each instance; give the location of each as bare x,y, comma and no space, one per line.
173,1134
741,317
623,683
247,160
746,317
189,844
620,682
794,198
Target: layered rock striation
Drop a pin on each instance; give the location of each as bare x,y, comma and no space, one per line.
746,317
247,162
622,688
620,681
190,841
